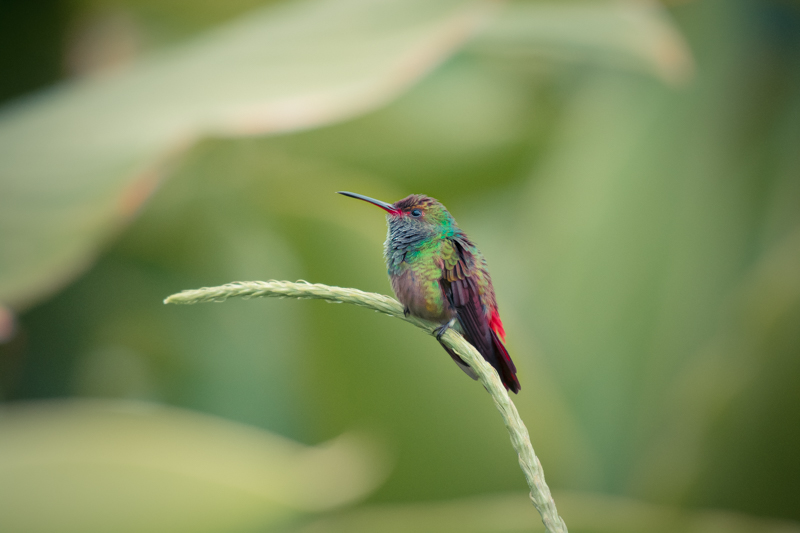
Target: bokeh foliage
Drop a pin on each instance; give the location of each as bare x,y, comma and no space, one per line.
639,209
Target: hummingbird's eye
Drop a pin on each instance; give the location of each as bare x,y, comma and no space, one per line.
416,213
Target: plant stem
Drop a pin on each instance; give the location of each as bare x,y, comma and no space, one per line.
531,467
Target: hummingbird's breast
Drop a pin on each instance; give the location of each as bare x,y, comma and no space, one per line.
415,274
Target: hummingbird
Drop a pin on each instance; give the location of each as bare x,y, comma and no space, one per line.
439,275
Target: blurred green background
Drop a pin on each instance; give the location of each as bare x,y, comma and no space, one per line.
630,169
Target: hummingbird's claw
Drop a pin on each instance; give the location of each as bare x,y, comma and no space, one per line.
406,311
441,330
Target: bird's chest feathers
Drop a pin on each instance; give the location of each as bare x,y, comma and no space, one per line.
415,279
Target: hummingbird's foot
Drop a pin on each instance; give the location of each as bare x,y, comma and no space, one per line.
443,328
406,311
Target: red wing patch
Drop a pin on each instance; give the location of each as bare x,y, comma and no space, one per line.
497,325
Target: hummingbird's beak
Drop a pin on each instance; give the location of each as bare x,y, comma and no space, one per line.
389,208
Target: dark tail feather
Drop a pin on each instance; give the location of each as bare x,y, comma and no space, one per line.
505,366
501,362
460,362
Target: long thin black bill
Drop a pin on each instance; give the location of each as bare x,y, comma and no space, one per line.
383,205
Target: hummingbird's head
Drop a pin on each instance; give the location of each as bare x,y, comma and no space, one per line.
414,214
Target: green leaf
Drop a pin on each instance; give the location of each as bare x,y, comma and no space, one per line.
625,33
128,466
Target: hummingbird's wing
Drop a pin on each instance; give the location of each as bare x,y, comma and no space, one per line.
467,287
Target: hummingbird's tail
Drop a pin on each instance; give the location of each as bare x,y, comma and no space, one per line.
460,362
500,360
504,365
